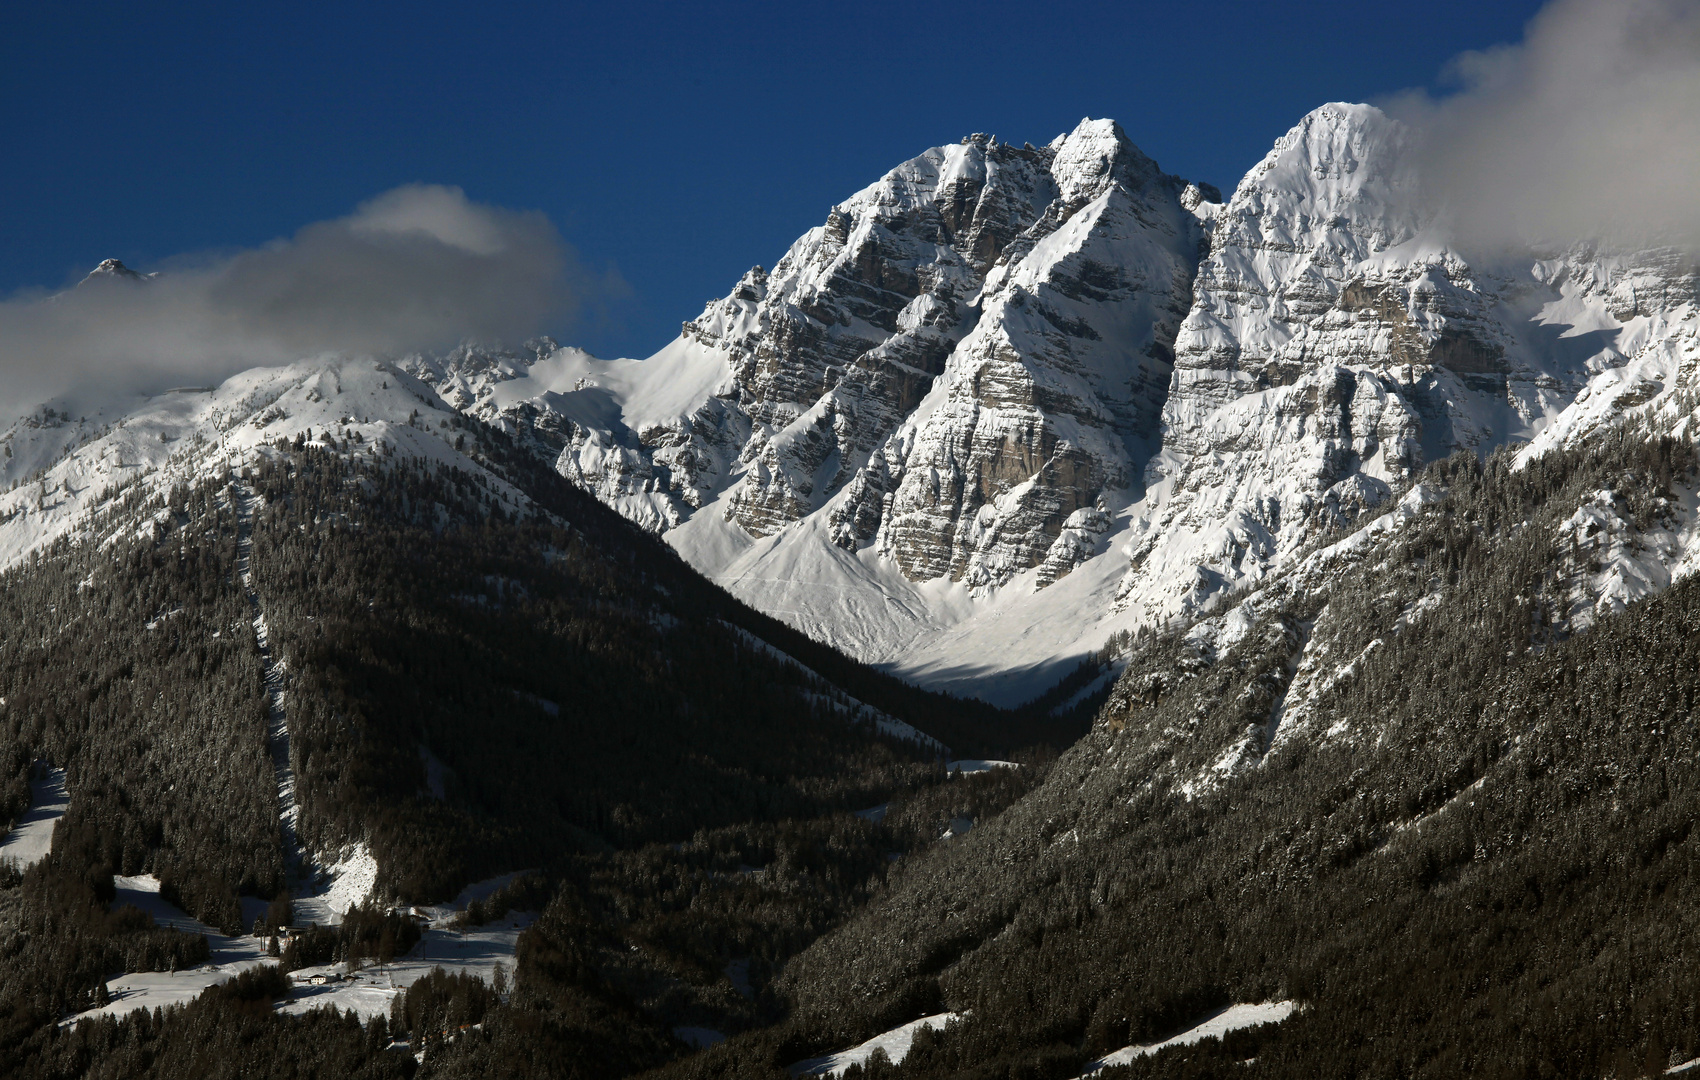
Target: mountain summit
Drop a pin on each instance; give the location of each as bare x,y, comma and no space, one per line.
113,270
1015,401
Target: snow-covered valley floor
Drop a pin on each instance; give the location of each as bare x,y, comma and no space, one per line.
231,956
475,950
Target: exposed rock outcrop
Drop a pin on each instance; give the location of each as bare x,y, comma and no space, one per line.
1338,341
1007,401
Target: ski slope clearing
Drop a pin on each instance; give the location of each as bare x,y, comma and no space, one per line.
895,1043
1233,1018
231,956
32,837
476,950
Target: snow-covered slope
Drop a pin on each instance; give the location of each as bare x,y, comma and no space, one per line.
31,837
1010,401
70,461
945,393
945,433
894,1044
1233,1018
1340,339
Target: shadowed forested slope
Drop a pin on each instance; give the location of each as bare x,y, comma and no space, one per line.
485,670
1475,858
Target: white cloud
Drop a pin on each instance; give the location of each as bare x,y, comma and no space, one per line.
1588,129
419,267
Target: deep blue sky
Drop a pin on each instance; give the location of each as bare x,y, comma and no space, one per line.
678,145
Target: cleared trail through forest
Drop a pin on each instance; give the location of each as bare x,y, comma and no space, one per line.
277,733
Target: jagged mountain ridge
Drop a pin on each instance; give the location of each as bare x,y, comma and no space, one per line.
1061,481
1068,261
928,438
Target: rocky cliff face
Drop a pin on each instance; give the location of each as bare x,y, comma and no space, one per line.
848,332
1340,339
1009,400
972,350
1048,407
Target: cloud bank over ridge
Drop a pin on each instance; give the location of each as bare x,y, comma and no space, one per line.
1587,129
417,267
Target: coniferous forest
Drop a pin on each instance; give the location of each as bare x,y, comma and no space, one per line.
1468,850
589,705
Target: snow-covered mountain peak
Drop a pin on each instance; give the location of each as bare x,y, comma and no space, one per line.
62,473
113,270
952,382
1331,141
1007,400
1095,154
1339,340
1343,168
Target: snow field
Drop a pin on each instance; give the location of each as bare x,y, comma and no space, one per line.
1233,1018
895,1043
31,837
368,992
230,957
